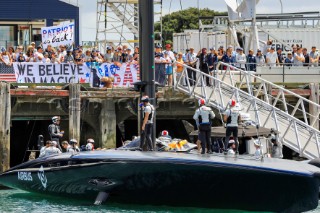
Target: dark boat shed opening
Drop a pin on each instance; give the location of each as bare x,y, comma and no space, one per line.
21,20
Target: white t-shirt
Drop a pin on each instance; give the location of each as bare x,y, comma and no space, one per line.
241,60
149,109
38,55
296,62
272,58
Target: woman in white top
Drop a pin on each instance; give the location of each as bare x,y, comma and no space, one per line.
12,54
5,57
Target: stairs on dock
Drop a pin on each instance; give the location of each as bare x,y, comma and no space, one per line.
265,110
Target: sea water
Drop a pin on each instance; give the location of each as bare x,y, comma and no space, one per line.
18,201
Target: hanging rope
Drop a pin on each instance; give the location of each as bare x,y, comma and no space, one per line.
25,152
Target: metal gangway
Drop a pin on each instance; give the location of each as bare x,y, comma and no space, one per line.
251,92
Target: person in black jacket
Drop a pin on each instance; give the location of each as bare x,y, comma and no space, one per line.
251,60
203,63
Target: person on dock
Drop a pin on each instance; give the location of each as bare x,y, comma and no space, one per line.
73,146
147,124
231,118
203,117
54,130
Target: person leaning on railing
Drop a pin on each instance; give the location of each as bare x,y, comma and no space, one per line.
260,60
252,63
314,57
179,69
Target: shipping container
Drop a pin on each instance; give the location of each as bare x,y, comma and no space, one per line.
305,37
183,41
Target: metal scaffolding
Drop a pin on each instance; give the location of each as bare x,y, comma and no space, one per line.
117,22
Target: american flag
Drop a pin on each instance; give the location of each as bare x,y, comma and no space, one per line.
7,73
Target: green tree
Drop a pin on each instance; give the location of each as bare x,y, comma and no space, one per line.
179,21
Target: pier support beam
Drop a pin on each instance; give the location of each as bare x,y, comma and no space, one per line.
314,97
74,111
108,124
5,115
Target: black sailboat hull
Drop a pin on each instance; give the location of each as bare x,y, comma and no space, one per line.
172,179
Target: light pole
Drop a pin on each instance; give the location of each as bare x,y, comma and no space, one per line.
281,6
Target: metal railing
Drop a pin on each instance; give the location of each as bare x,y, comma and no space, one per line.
253,92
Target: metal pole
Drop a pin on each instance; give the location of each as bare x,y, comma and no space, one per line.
146,52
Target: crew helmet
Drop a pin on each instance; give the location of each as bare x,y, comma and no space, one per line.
90,140
55,119
89,147
73,141
164,133
145,98
232,103
201,102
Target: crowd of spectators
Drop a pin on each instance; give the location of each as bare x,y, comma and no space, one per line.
67,54
165,58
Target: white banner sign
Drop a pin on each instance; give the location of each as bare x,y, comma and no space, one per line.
28,72
57,35
124,76
51,73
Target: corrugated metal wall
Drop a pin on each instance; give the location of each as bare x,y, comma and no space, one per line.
24,10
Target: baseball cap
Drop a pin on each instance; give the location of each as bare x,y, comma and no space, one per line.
168,45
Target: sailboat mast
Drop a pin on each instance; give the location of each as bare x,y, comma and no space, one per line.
146,51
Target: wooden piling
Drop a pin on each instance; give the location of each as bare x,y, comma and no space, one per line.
74,111
108,124
314,97
5,115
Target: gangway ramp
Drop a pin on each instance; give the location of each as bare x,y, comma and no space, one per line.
265,110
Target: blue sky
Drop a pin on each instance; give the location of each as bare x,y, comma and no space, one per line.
88,10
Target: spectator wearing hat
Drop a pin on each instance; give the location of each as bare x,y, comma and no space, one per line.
251,60
69,57
272,58
289,60
160,69
280,56
241,59
191,60
203,64
184,56
169,51
260,59
108,56
168,66
298,58
49,50
314,57
5,57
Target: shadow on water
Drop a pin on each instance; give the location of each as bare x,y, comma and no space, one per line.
20,201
